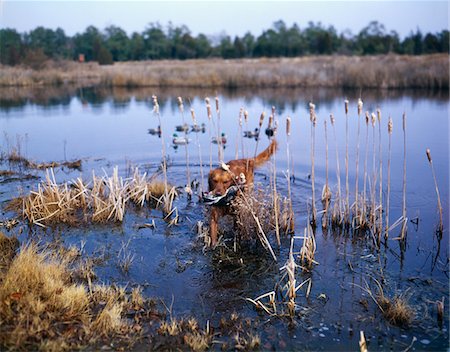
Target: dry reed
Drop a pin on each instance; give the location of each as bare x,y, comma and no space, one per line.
312,118
337,210
187,188
347,191
430,161
357,214
289,223
326,191
388,196
405,219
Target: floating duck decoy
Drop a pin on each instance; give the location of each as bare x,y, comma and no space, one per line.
251,134
270,131
197,128
179,140
182,128
154,131
222,139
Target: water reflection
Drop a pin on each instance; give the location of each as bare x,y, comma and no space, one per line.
118,98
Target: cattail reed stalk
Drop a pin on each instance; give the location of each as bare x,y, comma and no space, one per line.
440,228
380,226
374,174
261,120
290,221
326,192
188,172
244,155
312,117
209,114
194,120
219,137
338,173
405,220
390,127
360,106
275,200
347,193
363,215
163,147
239,136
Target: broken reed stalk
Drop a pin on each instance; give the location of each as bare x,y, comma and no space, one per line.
405,220
347,193
326,193
188,172
364,204
337,219
163,152
380,225
290,221
194,120
360,106
388,196
441,225
312,117
219,136
209,114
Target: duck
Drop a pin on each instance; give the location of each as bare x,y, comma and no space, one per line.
252,134
182,128
179,140
222,139
154,131
197,128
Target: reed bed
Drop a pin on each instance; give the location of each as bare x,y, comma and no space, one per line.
388,71
102,199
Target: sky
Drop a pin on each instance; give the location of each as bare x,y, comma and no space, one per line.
216,17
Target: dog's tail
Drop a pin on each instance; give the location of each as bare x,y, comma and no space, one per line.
264,156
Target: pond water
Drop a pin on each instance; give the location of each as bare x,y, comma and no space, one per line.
108,127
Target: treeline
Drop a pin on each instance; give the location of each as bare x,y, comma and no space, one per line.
177,42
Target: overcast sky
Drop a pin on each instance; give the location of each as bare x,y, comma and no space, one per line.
233,17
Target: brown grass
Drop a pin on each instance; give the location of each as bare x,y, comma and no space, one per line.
382,71
397,310
103,199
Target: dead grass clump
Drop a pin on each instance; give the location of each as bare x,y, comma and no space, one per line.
396,310
37,300
8,248
258,205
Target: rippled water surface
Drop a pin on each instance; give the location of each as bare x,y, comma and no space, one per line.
110,127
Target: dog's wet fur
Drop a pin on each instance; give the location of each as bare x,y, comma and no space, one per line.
220,179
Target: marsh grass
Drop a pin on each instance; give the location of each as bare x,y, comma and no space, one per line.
101,200
430,161
380,71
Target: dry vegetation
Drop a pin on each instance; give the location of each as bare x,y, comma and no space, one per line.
383,71
44,305
103,199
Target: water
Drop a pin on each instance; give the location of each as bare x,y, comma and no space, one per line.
110,127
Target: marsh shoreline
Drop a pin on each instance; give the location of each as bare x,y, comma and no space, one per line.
383,71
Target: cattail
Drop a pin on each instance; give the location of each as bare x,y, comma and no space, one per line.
269,125
217,104
180,104
360,106
312,115
326,192
347,192
246,116
239,137
261,119
390,128
428,152
357,215
188,173
374,175
288,126
194,120
380,195
363,214
209,114
405,220
155,104
338,176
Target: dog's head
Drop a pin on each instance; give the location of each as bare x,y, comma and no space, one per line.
219,181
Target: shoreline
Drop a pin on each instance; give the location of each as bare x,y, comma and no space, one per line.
357,72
